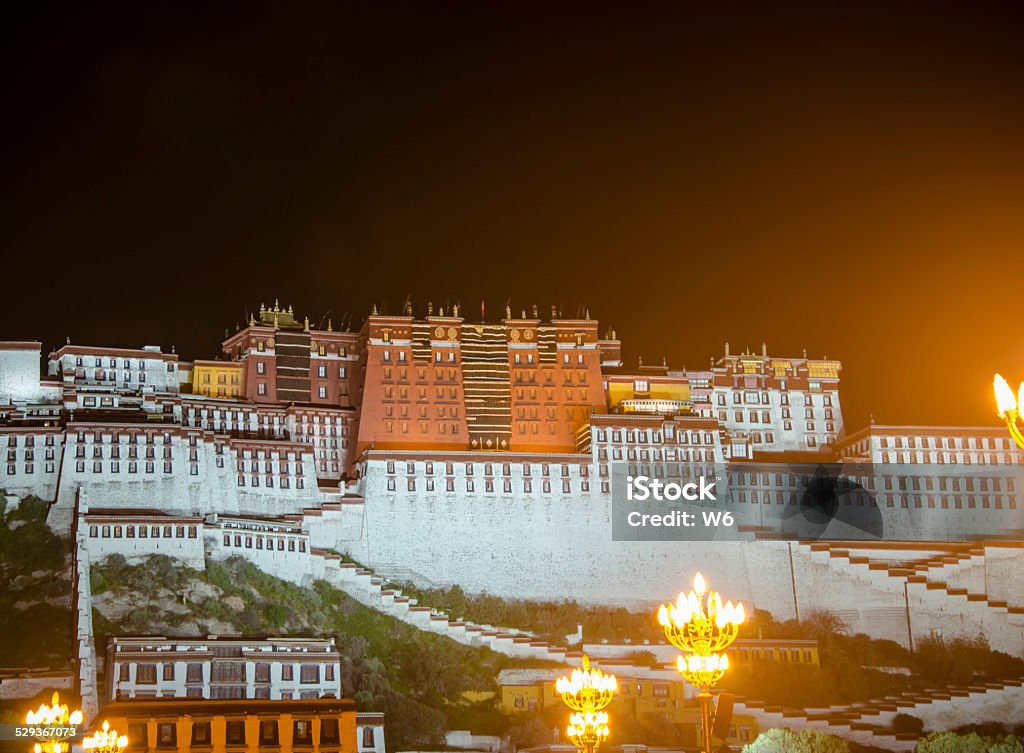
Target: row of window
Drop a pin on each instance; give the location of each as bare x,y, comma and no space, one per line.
112,363
641,436
133,467
235,734
470,485
488,468
267,542
284,482
223,671
143,531
30,440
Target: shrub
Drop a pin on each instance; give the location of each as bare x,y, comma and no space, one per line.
907,723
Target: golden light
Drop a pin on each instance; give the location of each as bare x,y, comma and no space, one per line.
587,731
586,691
57,715
1006,401
1008,407
105,740
700,624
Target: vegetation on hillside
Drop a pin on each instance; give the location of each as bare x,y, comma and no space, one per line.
35,588
416,678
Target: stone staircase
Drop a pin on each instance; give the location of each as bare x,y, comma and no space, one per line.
371,590
933,570
870,723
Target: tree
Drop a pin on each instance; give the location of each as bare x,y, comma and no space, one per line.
805,741
951,742
907,723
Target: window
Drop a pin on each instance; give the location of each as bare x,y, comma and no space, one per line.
328,731
235,732
303,732
268,732
167,735
145,674
368,735
286,672
168,671
194,673
310,673
200,733
262,669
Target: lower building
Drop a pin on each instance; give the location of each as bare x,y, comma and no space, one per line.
164,725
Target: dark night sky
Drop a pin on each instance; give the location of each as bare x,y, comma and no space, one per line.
840,177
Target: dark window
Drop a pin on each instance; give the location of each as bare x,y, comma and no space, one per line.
145,674
262,672
367,737
328,731
168,671
303,732
268,732
200,733
310,673
167,734
194,673
235,733
123,673
286,671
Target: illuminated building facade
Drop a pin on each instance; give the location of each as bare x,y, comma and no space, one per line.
441,383
287,361
770,404
218,378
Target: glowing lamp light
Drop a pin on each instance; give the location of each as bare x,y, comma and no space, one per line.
703,626
105,740
58,715
587,689
1008,406
1006,401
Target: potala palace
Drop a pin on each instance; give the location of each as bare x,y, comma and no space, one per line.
440,451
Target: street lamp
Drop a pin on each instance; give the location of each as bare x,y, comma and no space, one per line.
587,692
53,717
105,740
1008,407
704,627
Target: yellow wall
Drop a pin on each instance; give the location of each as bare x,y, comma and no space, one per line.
218,724
217,379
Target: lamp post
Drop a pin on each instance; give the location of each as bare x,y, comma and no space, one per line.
105,740
53,717
700,624
587,692
1008,406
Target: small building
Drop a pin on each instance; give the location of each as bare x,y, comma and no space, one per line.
218,378
164,725
214,667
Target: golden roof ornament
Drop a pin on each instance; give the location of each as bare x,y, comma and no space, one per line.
252,319
305,326
330,327
263,308
277,306
373,312
290,311
455,310
508,311
524,314
430,308
535,311
276,325
588,314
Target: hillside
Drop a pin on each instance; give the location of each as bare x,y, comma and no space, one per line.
416,678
